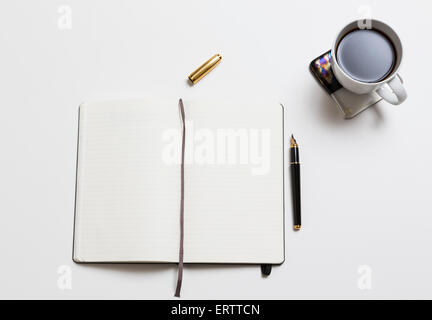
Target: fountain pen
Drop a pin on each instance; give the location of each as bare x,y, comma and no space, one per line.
295,182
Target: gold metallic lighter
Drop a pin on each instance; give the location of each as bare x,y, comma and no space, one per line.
205,68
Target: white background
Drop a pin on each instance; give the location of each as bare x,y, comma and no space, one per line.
366,182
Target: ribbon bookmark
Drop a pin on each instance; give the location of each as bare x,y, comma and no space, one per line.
180,265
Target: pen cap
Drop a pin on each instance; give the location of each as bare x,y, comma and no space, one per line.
205,68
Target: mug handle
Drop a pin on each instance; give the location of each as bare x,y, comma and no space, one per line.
397,94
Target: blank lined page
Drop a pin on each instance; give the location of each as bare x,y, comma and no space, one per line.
128,191
234,211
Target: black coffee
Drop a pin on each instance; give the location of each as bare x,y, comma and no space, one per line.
366,55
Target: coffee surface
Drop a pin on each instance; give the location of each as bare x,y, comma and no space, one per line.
366,55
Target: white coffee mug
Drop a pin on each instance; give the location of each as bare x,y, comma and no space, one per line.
390,88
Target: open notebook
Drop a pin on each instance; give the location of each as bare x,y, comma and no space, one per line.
128,182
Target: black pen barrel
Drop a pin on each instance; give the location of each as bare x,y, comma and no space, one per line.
295,179
295,185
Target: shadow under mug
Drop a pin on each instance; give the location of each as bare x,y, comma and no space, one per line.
390,88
